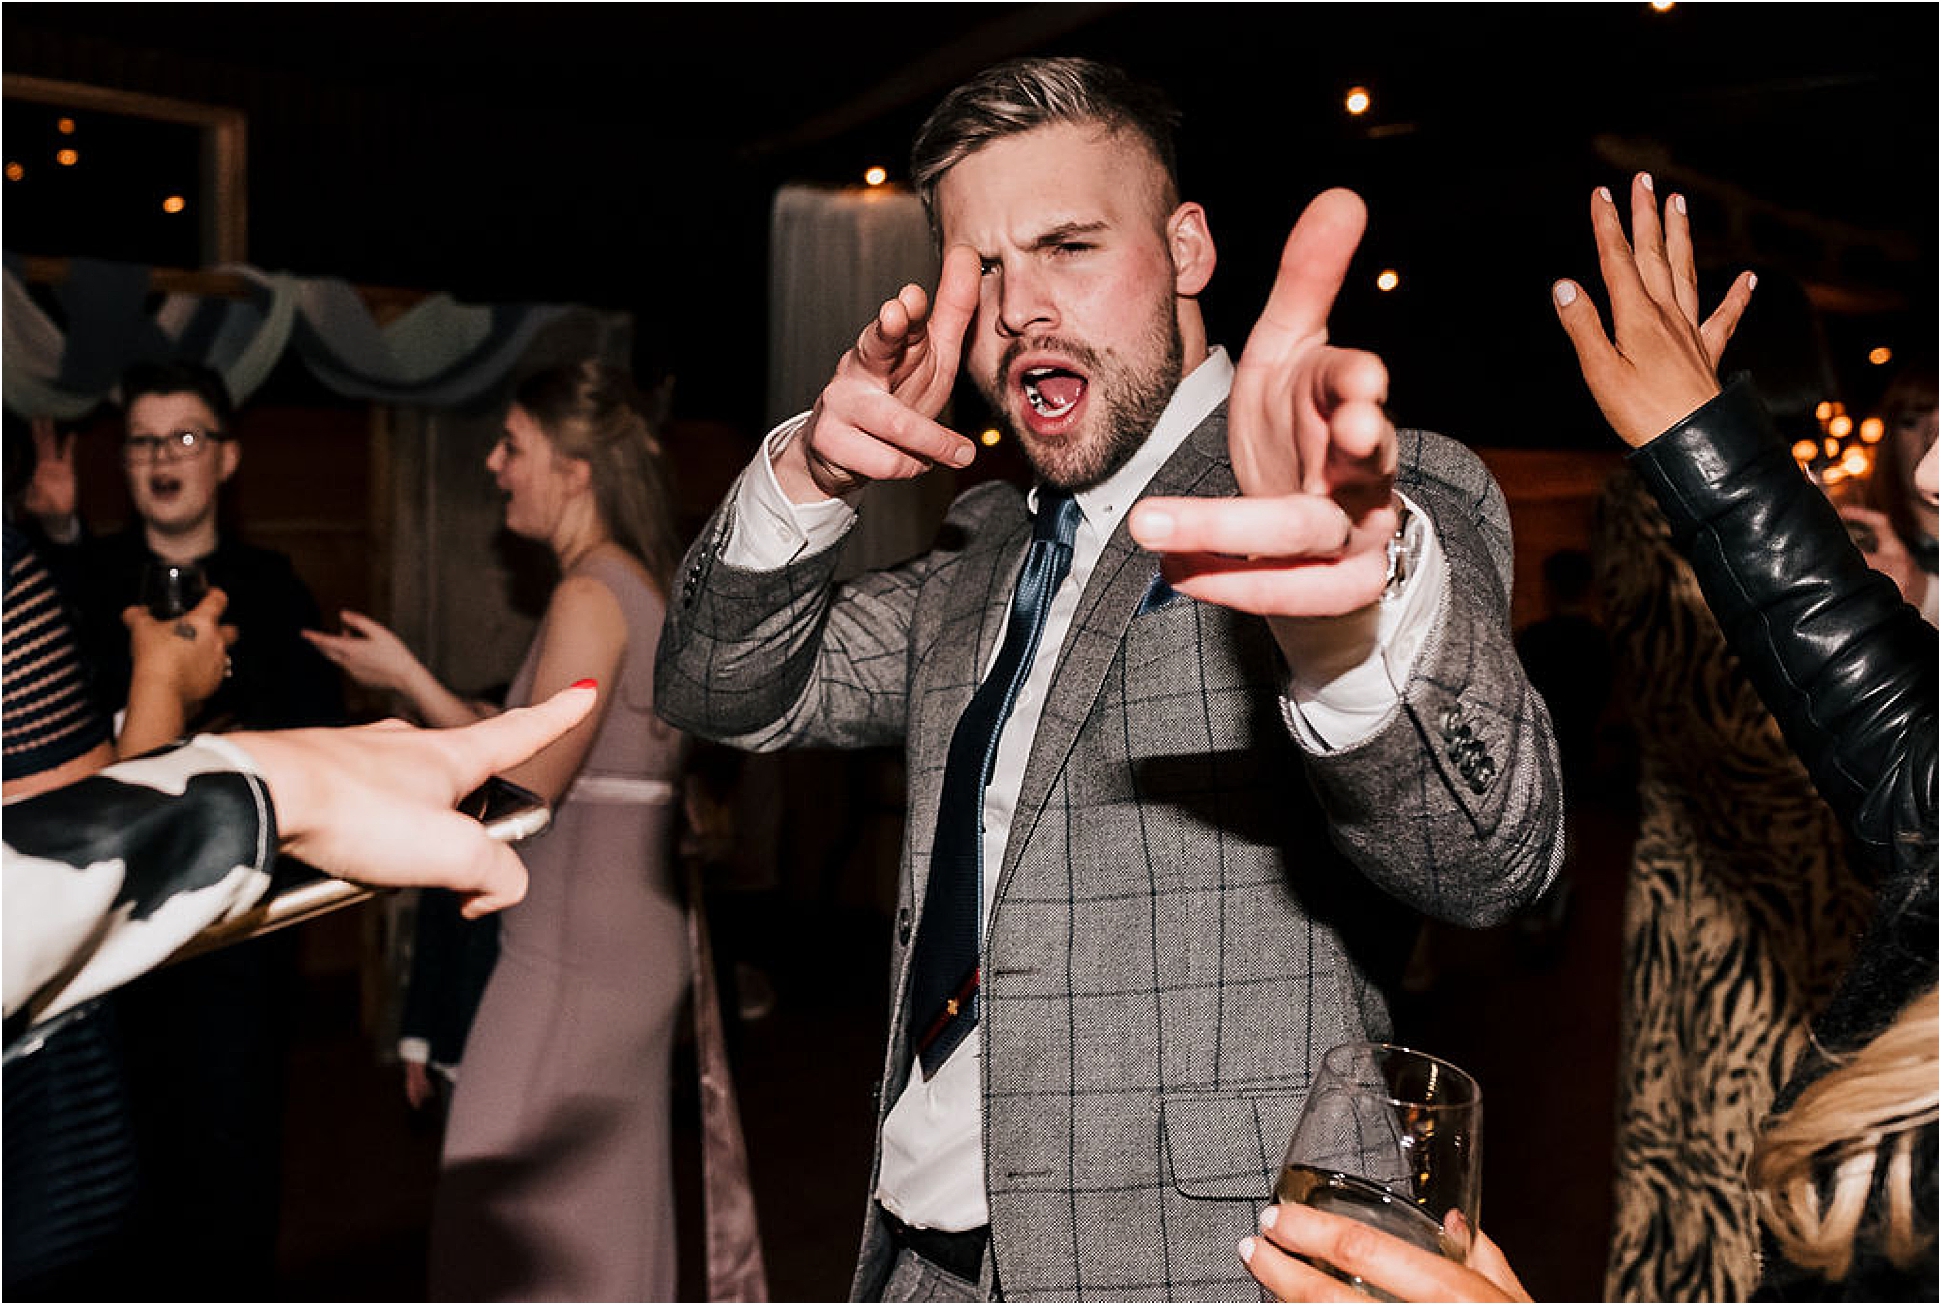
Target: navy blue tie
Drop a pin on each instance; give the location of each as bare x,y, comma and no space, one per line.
944,970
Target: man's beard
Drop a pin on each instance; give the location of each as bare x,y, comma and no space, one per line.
1126,406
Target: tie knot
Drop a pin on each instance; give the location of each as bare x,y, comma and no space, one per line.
1058,516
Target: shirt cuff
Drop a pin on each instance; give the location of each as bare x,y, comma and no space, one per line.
414,1051
769,531
1347,673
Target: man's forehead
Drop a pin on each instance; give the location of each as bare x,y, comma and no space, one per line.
1060,175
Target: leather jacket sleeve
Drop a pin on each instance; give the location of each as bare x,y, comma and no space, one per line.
1845,666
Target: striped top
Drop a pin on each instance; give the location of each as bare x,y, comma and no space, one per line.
47,717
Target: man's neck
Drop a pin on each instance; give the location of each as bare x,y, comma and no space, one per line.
189,545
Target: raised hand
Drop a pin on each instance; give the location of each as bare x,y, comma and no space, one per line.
1313,451
50,494
1660,363
369,653
875,420
376,803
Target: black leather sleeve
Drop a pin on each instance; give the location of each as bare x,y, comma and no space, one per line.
1845,666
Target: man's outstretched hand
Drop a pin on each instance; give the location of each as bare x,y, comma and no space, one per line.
1313,451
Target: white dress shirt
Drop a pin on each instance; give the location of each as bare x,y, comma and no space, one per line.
1345,679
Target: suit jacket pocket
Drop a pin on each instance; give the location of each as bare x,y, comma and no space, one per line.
1228,1146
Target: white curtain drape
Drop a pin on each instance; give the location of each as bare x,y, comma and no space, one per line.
834,256
438,353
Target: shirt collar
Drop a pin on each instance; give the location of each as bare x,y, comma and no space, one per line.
1196,396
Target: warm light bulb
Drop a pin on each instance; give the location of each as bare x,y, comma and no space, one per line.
15,172
65,126
1831,448
876,176
1661,6
1388,279
1880,357
989,437
1872,430
1856,462
174,204
1840,427
1805,451
68,158
1823,412
1357,101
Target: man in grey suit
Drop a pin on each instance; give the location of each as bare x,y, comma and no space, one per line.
1272,713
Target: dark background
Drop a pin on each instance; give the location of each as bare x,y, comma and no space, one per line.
626,156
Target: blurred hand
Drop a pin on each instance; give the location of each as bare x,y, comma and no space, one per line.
183,657
875,420
1660,364
369,653
418,1090
1313,451
376,803
51,494
1290,1232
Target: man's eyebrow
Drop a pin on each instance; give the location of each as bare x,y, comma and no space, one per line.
1065,231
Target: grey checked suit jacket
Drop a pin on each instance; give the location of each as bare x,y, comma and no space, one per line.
1191,909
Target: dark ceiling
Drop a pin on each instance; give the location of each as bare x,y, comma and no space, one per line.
626,154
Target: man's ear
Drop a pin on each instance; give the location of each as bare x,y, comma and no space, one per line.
230,453
1190,241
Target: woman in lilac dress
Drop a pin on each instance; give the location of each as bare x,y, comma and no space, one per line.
557,1180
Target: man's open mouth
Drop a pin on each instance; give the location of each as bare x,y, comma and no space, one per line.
1052,392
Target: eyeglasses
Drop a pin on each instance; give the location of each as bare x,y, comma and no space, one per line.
167,448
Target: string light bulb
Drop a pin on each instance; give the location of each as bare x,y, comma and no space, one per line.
68,158
1880,357
876,176
65,126
1358,100
15,172
1388,279
1873,430
989,437
174,204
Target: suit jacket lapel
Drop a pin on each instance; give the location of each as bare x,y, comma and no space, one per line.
1105,609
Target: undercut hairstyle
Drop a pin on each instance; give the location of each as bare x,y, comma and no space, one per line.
179,376
1021,95
593,411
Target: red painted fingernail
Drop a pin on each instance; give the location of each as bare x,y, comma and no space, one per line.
584,684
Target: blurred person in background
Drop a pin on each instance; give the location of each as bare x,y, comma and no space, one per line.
557,1177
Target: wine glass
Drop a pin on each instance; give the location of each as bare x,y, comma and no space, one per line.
170,589
1391,1137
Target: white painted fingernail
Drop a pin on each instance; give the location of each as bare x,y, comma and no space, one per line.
1752,280
1155,525
1268,1215
1644,179
1604,193
1678,203
1246,1249
1565,292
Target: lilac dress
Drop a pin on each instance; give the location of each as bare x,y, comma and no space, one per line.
557,1179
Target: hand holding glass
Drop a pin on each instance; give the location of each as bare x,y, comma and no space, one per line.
1390,1137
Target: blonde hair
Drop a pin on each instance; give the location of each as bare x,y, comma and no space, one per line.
1869,1109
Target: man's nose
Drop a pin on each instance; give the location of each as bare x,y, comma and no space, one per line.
1024,301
